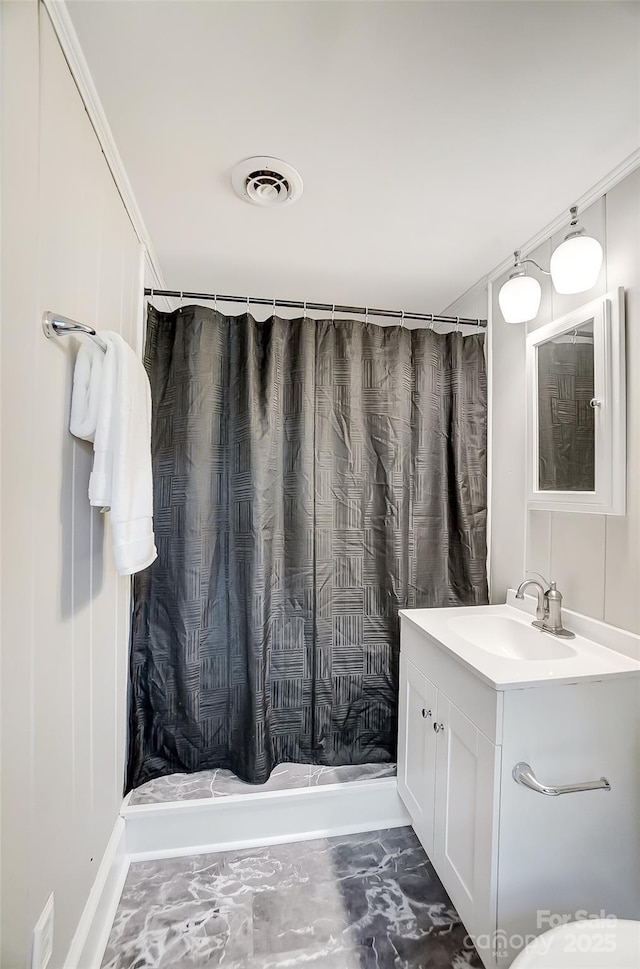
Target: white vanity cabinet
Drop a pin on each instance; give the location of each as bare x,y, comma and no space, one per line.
511,858
448,778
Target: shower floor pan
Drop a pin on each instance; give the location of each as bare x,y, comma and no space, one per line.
222,783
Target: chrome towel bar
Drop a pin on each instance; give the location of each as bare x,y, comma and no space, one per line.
523,774
54,324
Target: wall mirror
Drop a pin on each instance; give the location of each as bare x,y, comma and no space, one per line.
576,446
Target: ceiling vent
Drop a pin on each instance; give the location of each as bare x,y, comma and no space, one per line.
266,181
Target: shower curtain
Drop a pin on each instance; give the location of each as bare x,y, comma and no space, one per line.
310,479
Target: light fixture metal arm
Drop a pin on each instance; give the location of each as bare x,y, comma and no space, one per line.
537,265
521,262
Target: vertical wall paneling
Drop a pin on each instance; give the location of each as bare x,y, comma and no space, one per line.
622,535
508,451
65,618
577,560
538,543
19,67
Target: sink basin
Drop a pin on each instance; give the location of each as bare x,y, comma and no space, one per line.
509,638
498,644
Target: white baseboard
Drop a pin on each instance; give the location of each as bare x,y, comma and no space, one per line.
90,939
275,817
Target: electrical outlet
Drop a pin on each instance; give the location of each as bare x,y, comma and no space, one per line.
43,937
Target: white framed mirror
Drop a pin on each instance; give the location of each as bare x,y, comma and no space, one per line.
576,410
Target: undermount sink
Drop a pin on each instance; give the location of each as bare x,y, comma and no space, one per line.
509,638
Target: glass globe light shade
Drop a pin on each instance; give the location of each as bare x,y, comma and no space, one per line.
575,264
519,299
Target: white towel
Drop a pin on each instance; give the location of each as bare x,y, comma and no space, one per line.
120,428
85,400
104,444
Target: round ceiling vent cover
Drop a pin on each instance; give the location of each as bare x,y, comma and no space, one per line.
266,181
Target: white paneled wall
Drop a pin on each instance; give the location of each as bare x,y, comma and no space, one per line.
68,246
594,558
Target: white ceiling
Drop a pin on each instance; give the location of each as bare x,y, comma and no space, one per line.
432,137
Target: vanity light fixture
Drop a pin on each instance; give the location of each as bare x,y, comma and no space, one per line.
520,296
574,268
575,264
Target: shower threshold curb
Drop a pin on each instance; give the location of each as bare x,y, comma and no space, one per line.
174,828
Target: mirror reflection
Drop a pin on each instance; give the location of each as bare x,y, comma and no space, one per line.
566,425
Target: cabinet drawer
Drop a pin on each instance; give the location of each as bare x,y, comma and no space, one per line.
480,703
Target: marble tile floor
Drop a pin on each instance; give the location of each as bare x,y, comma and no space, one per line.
220,782
363,901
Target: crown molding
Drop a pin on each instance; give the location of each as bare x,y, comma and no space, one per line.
618,174
601,188
73,53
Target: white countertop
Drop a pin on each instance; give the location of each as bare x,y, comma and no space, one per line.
601,651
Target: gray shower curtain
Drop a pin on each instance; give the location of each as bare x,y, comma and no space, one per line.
310,479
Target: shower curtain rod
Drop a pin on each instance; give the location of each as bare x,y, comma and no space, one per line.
325,307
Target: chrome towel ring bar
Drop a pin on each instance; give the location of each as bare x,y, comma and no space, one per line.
54,324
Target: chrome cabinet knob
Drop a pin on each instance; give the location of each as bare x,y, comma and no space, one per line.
425,713
438,727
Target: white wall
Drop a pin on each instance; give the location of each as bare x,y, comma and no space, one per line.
594,558
67,246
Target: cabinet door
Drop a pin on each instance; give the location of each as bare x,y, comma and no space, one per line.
416,749
466,817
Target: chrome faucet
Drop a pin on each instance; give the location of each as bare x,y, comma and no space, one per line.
549,608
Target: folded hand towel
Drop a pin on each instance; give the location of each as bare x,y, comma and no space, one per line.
120,428
85,399
100,481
